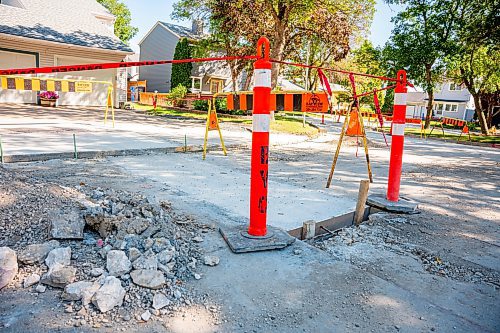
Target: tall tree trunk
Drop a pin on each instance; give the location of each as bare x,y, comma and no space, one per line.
248,80
430,95
234,76
277,53
428,115
480,114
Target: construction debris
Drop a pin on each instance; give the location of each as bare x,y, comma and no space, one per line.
118,253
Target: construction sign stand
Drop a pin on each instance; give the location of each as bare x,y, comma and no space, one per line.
353,126
212,125
432,129
465,130
109,104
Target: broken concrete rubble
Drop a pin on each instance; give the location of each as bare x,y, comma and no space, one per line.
36,253
160,301
108,296
31,280
147,278
211,260
117,263
8,266
59,276
60,256
66,224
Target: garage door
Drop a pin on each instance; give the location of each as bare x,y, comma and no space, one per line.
17,60
100,91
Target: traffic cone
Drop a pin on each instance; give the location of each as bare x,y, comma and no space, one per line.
465,129
354,127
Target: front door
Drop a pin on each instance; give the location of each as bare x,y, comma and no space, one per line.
215,86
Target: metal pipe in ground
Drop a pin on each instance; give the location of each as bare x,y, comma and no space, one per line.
74,146
1,151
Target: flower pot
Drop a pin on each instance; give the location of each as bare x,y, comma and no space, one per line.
48,102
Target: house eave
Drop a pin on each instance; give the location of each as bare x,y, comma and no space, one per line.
63,45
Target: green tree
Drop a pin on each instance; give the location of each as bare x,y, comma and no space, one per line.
181,73
422,38
123,29
476,60
287,23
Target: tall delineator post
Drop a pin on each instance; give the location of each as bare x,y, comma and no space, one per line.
398,137
260,141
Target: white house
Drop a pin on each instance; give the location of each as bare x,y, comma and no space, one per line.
450,100
36,33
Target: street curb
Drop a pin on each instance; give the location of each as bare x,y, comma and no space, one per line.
99,154
464,142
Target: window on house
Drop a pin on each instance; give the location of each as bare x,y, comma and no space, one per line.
195,84
446,107
438,108
455,87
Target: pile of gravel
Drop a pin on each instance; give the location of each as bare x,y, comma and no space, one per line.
127,259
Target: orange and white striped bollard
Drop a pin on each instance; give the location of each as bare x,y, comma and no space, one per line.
398,137
260,142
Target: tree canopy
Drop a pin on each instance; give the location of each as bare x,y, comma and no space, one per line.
421,38
475,61
123,29
442,40
288,24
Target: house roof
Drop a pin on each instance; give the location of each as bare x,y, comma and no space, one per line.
61,21
449,100
180,31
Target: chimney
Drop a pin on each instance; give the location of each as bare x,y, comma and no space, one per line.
197,27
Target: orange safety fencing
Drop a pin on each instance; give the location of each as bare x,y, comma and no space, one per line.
282,101
407,120
453,122
364,115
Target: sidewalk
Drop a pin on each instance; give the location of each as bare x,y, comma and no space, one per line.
27,129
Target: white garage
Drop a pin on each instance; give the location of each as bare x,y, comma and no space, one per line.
36,33
99,90
14,59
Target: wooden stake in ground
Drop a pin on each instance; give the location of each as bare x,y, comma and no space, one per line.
309,229
364,185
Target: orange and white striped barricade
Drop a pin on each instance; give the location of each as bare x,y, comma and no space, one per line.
259,236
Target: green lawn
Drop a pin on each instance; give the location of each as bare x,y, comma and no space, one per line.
282,123
437,133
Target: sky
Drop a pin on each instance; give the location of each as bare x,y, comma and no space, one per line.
145,13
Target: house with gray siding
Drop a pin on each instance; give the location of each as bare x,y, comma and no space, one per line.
159,44
450,100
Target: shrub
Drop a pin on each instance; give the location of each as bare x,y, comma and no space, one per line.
177,94
201,104
221,104
181,73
